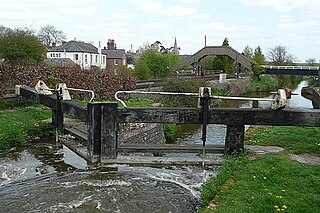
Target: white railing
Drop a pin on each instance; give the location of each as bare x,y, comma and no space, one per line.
290,67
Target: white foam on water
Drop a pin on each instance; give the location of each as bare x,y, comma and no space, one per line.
71,205
96,183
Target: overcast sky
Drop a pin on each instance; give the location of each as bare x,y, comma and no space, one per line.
292,23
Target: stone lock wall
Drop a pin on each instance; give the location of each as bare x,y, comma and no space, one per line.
144,133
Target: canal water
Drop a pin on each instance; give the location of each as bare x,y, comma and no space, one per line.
216,133
45,176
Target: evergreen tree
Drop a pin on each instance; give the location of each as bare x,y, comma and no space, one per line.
258,57
224,63
248,52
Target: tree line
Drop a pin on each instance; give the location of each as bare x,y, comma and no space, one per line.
25,45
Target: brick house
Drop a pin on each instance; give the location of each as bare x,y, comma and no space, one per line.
114,57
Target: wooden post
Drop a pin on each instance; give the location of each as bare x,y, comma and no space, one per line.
57,114
108,131
234,139
94,130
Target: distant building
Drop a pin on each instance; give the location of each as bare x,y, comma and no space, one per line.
115,57
87,55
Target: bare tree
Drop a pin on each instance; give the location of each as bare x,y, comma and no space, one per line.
4,30
50,35
279,55
311,61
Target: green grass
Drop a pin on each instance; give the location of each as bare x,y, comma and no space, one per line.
138,102
293,139
266,83
131,102
271,182
14,103
16,126
262,185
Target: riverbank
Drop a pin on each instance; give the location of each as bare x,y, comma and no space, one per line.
270,182
20,121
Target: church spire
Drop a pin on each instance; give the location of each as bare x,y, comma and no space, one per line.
175,47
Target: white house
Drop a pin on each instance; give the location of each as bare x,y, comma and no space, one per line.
83,54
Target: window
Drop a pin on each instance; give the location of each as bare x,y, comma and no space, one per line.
51,55
115,62
103,59
86,58
54,55
96,59
76,57
91,59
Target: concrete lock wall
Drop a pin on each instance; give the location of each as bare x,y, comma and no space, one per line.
143,133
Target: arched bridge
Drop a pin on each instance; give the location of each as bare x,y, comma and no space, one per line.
220,50
292,70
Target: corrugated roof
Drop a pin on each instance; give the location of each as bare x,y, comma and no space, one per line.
114,54
75,46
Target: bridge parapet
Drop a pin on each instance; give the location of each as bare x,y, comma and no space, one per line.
292,70
221,50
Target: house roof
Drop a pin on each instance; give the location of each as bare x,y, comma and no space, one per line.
60,62
75,46
114,54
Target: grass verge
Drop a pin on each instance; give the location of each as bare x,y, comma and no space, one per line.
294,139
271,182
19,125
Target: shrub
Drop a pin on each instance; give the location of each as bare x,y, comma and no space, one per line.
170,131
182,86
101,82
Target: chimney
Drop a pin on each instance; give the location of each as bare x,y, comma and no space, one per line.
111,45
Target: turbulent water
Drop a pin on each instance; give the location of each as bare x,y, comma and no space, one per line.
45,176
96,191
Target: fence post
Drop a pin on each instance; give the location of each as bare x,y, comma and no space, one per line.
108,131
94,130
234,139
